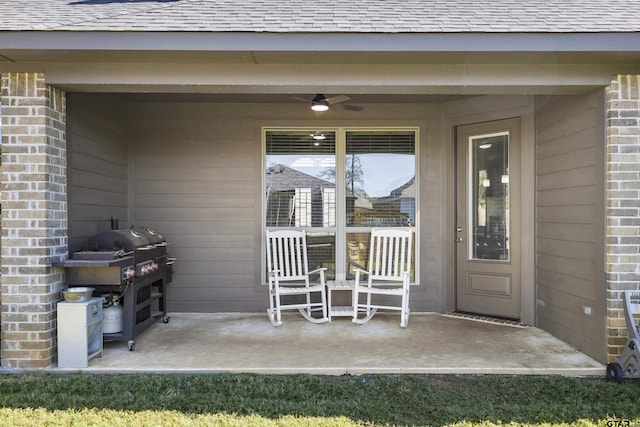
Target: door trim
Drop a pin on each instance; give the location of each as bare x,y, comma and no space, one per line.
495,108
488,276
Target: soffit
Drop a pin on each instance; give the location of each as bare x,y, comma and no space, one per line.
286,98
426,64
283,57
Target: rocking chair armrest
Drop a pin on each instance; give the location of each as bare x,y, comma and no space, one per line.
320,270
359,271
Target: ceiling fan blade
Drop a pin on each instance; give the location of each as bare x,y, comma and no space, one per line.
350,107
337,99
297,98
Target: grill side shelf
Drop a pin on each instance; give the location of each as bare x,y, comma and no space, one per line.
86,263
97,272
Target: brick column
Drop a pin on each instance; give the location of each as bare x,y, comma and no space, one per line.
34,218
623,203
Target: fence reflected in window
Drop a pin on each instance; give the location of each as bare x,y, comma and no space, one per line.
380,179
358,247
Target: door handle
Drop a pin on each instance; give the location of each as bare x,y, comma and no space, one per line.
459,239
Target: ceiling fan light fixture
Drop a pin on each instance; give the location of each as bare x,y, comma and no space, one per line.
319,103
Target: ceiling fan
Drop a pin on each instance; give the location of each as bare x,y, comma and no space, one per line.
322,103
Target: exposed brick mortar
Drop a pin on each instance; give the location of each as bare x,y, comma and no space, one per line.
34,217
623,209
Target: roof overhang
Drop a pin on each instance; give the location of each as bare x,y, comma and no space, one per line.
393,63
594,47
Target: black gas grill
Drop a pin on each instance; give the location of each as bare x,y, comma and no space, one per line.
130,266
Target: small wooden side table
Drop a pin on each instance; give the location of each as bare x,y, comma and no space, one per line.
339,310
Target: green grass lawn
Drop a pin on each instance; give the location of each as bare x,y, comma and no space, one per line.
42,399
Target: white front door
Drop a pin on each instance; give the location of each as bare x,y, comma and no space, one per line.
487,219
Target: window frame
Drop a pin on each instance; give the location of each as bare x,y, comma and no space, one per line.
340,229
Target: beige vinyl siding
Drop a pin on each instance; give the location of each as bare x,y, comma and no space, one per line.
195,174
197,177
569,219
98,165
486,109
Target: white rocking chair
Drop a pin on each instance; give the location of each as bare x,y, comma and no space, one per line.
289,276
388,274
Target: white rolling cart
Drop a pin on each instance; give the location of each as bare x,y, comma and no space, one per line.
79,332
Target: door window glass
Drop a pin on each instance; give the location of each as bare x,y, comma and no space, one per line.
489,207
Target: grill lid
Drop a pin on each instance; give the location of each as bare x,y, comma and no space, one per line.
117,240
154,236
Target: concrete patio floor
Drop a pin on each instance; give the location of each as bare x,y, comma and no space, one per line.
432,344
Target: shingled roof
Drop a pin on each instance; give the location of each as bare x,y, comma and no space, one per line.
326,16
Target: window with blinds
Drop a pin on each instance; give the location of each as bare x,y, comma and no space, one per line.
380,178
300,178
337,185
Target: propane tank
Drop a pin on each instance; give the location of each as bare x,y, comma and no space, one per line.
112,318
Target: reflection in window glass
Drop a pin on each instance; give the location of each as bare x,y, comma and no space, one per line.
300,190
377,189
321,252
300,179
490,185
380,178
358,247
